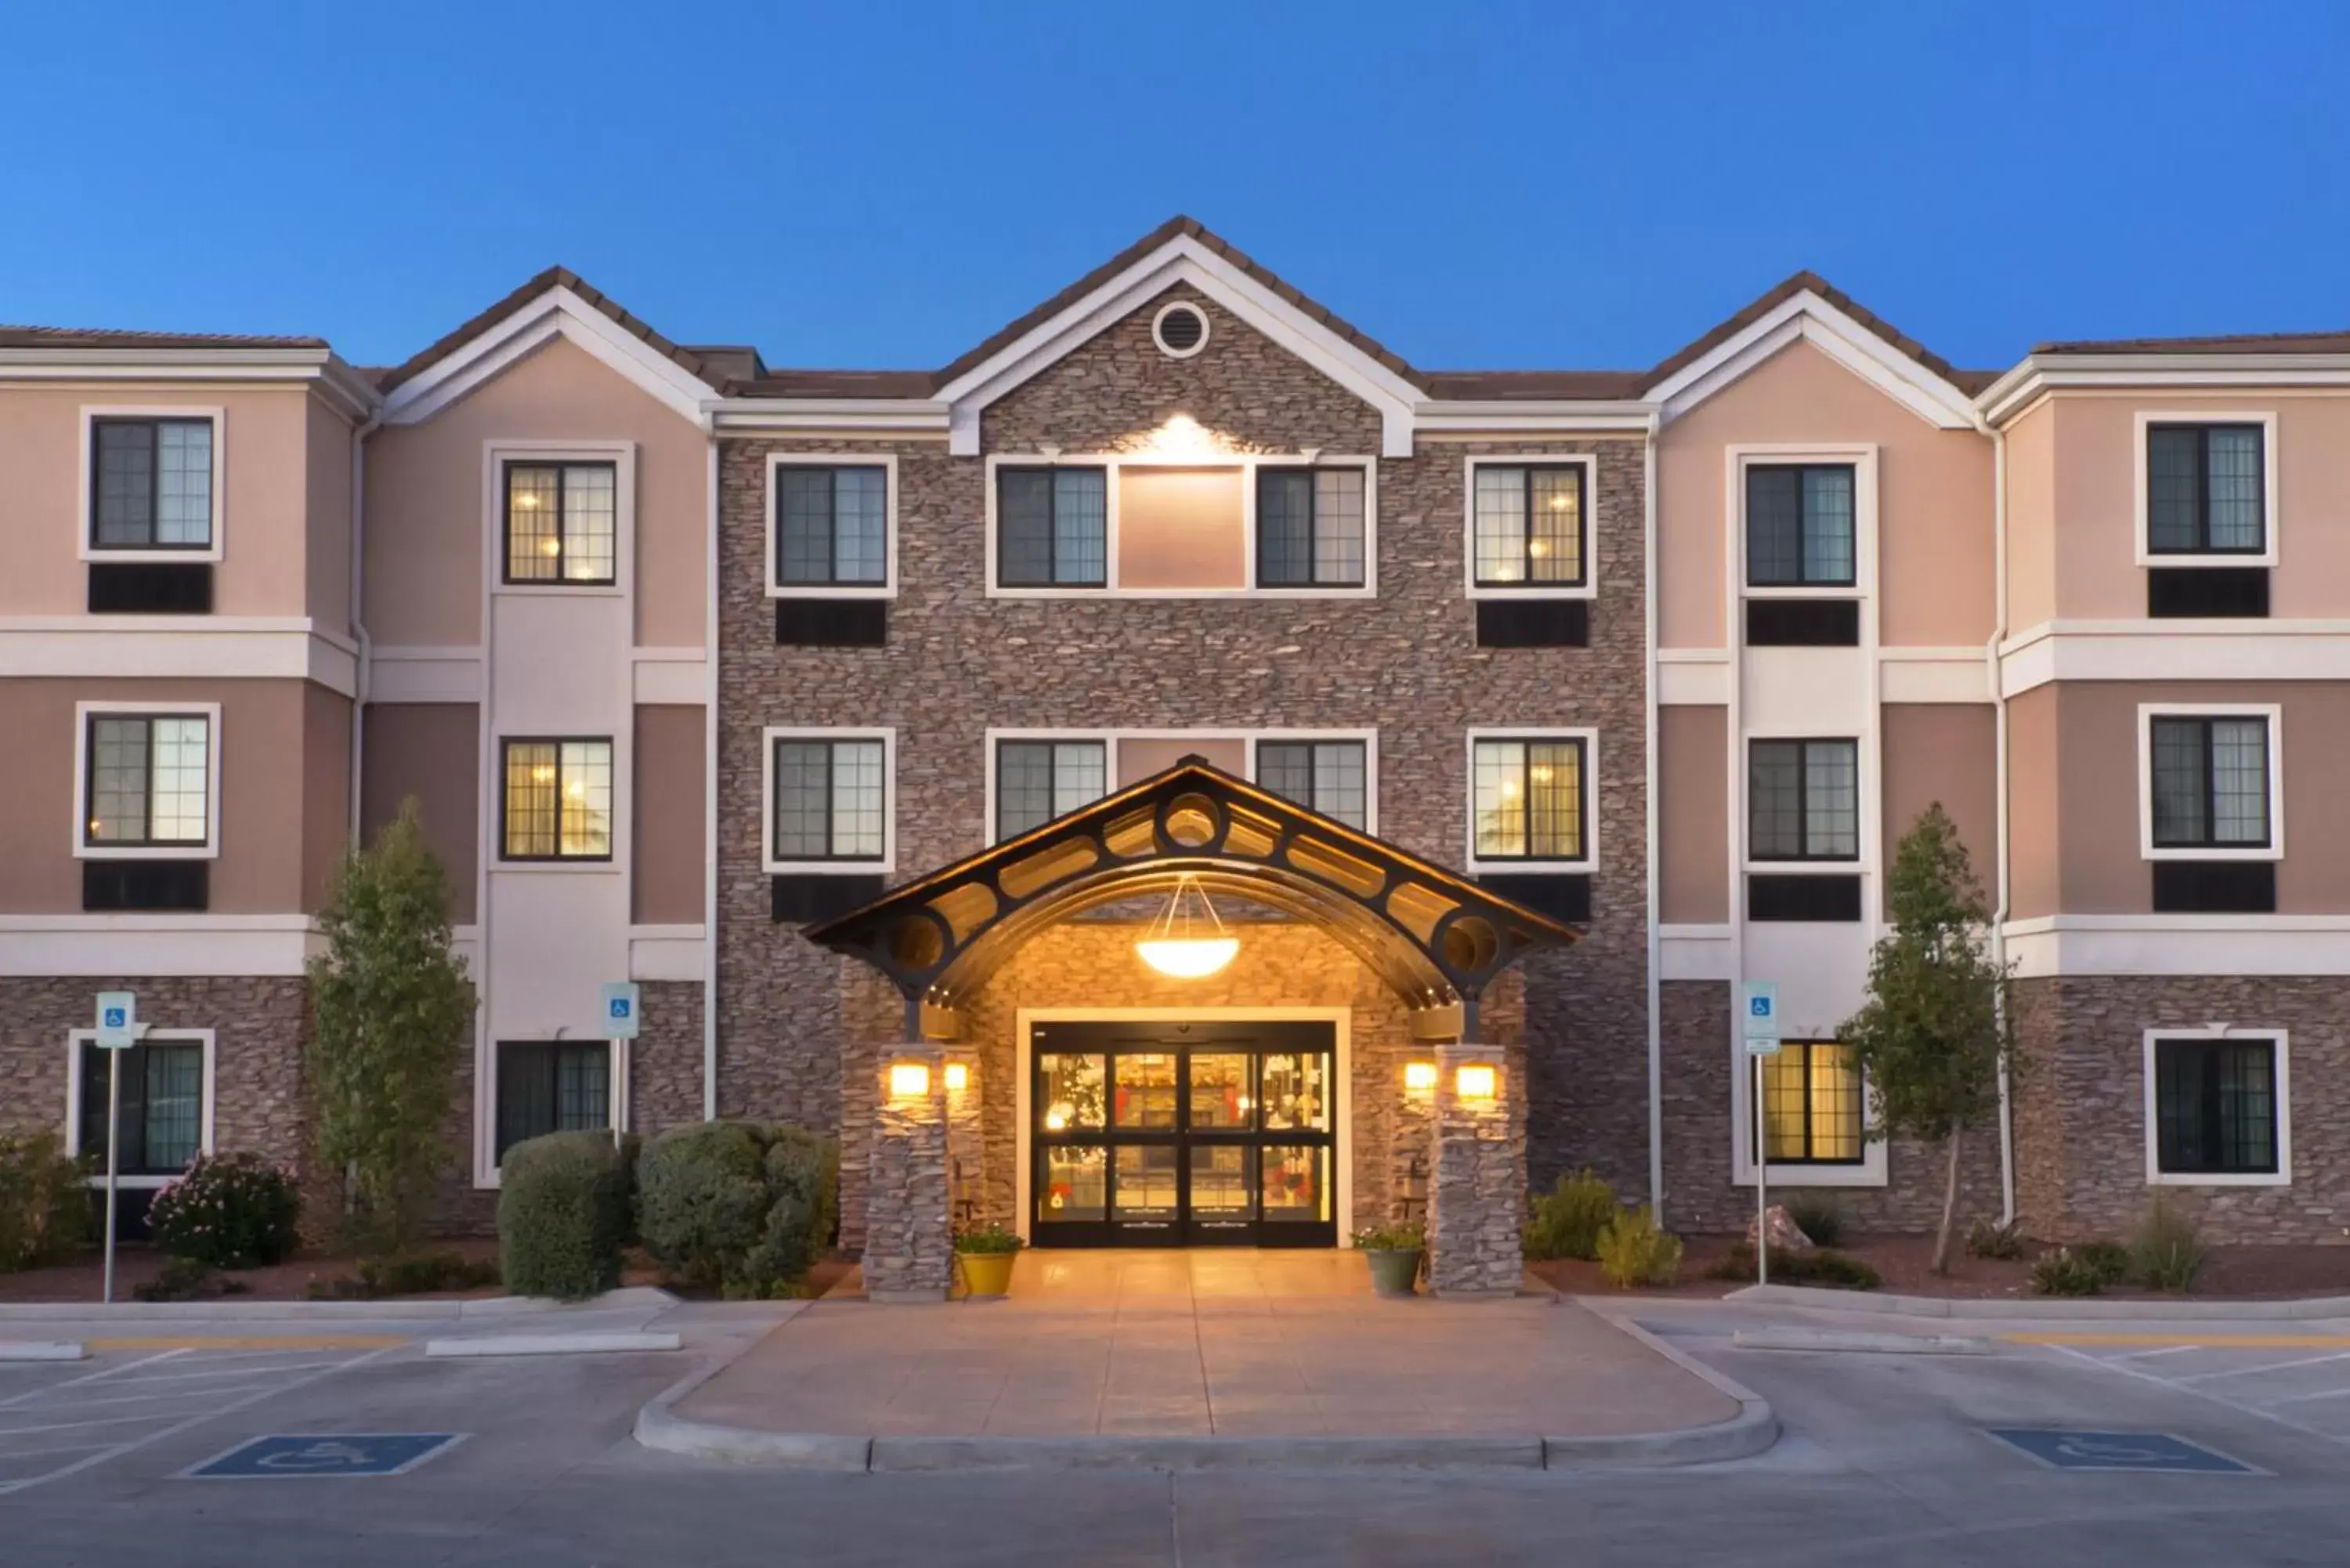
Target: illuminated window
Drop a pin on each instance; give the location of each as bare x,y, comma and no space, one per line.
1812,1105
562,521
1529,525
1529,799
557,800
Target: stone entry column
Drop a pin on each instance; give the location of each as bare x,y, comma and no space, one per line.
1477,1192
908,1243
966,1150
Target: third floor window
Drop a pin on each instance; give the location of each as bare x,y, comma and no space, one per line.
1054,527
1309,527
1529,525
562,523
148,780
1799,525
1528,799
151,484
2205,490
832,527
2209,778
1803,800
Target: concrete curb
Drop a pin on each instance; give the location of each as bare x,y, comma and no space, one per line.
2041,1308
550,1344
1842,1340
1750,1432
1104,1451
651,1298
41,1350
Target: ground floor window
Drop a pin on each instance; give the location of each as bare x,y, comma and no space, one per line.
552,1085
2216,1107
1812,1105
162,1105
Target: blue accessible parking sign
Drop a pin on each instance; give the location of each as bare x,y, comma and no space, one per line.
2119,1451
298,1454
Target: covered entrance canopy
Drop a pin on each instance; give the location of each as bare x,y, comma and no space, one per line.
1435,938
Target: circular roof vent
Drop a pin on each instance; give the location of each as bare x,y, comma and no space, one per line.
1179,329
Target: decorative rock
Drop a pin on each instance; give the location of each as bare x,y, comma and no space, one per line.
1786,1236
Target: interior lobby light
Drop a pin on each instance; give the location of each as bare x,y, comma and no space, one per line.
909,1080
1475,1081
957,1077
1420,1077
1183,945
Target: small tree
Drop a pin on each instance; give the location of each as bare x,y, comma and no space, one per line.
395,1018
1932,1037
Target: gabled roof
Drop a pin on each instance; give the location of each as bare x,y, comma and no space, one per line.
554,277
1969,381
2240,342
108,337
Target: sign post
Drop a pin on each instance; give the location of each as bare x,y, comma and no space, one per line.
117,1027
1758,1007
623,1014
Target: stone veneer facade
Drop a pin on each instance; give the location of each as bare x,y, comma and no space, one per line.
793,1018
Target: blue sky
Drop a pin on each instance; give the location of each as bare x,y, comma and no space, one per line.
1476,184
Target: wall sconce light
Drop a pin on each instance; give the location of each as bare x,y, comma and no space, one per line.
1476,1081
909,1080
1420,1077
957,1077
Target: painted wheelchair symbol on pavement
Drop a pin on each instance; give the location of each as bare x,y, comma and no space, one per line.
308,1456
2119,1451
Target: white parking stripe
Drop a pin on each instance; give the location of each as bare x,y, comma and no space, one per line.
2161,1382
224,1372
2305,1398
118,1450
2265,1366
27,1399
75,1426
2150,1355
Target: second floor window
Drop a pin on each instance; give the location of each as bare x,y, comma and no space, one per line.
1811,1112
1036,781
2204,490
1803,800
1328,776
1799,525
831,799
1529,525
149,777
1053,527
1309,527
563,523
831,526
151,484
558,802
2210,782
1528,799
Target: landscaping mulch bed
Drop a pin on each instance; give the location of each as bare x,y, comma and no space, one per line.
82,1282
1904,1263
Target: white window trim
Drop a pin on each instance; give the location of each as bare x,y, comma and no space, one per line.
76,1039
886,588
1870,1172
2147,714
1862,459
1590,859
888,861
1247,464
210,848
620,454
2140,505
1742,764
87,516
2283,1176
1589,463
1248,738
1206,328
617,1059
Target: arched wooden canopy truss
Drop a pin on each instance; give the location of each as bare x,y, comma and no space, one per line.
1435,938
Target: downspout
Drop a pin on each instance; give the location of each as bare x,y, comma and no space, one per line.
1999,753
363,673
1648,751
709,781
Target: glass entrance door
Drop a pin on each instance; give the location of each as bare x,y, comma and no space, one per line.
1183,1135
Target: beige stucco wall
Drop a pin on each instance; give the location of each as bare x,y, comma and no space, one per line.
276,560
1693,815
2084,735
666,847
1945,751
1934,500
272,830
2091,510
1138,759
328,463
430,751
2032,519
1180,528
427,495
326,790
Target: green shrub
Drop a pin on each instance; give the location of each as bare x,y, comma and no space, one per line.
229,1211
1985,1239
1818,1218
987,1239
2110,1260
1393,1238
1633,1252
419,1273
45,1205
2168,1252
1826,1268
563,1215
738,1208
1567,1219
2065,1272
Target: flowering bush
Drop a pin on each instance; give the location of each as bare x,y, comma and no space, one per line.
229,1210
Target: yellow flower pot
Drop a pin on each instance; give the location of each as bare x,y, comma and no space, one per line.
987,1273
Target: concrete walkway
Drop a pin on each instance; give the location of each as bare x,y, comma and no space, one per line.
1150,1347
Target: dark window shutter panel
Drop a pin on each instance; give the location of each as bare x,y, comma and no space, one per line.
1778,896
2220,592
2215,888
802,898
1533,623
1561,894
150,587
132,885
1802,623
832,623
